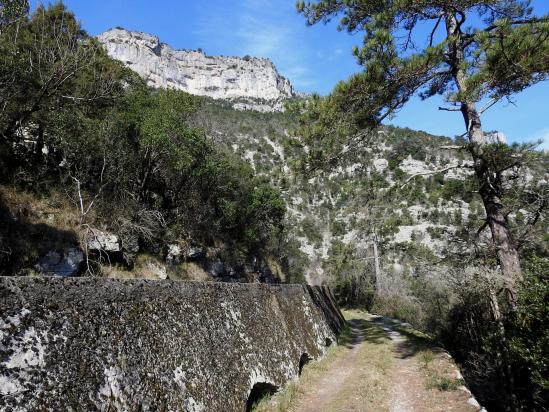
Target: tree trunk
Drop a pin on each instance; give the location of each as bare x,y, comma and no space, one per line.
506,250
380,286
490,186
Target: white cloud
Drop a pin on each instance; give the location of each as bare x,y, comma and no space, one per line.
265,32
260,38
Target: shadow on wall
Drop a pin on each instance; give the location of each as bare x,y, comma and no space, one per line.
259,391
322,297
304,360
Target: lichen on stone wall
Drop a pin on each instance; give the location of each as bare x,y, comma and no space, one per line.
106,344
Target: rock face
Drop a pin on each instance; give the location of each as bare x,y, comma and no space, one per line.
194,72
106,242
105,344
65,264
495,137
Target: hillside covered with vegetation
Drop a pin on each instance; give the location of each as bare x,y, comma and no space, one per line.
101,175
88,149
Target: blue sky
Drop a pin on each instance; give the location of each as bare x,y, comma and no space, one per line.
313,58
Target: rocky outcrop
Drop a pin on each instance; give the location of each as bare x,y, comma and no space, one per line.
65,264
105,344
194,72
495,138
102,241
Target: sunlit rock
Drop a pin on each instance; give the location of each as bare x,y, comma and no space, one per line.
196,73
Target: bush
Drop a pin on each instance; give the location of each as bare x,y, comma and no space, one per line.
311,231
130,153
529,335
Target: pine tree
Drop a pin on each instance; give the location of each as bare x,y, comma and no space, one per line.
11,10
473,51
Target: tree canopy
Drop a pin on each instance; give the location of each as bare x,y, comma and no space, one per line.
418,47
469,51
127,156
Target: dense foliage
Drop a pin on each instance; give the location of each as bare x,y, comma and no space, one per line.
126,155
529,334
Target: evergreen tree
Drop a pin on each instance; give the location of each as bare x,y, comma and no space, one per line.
11,10
473,51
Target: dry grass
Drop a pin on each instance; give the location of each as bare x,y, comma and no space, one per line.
189,271
54,209
368,390
32,225
143,268
439,371
275,268
438,368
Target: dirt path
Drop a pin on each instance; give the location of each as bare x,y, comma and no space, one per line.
380,365
423,377
320,398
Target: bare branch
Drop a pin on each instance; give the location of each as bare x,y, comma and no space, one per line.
449,109
489,104
434,172
434,31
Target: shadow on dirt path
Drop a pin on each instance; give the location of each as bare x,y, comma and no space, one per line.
380,364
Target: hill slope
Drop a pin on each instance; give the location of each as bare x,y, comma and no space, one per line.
369,198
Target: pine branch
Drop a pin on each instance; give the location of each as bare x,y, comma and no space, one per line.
513,23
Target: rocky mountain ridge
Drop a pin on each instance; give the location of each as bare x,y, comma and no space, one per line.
249,82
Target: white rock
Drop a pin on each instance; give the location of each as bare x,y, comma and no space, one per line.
194,72
158,270
412,166
66,264
174,252
103,241
495,137
473,402
196,252
381,164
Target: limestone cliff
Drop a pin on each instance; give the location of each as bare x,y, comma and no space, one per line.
194,72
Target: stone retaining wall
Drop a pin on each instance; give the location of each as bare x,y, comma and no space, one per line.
105,344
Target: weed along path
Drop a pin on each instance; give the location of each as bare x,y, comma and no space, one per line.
379,365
